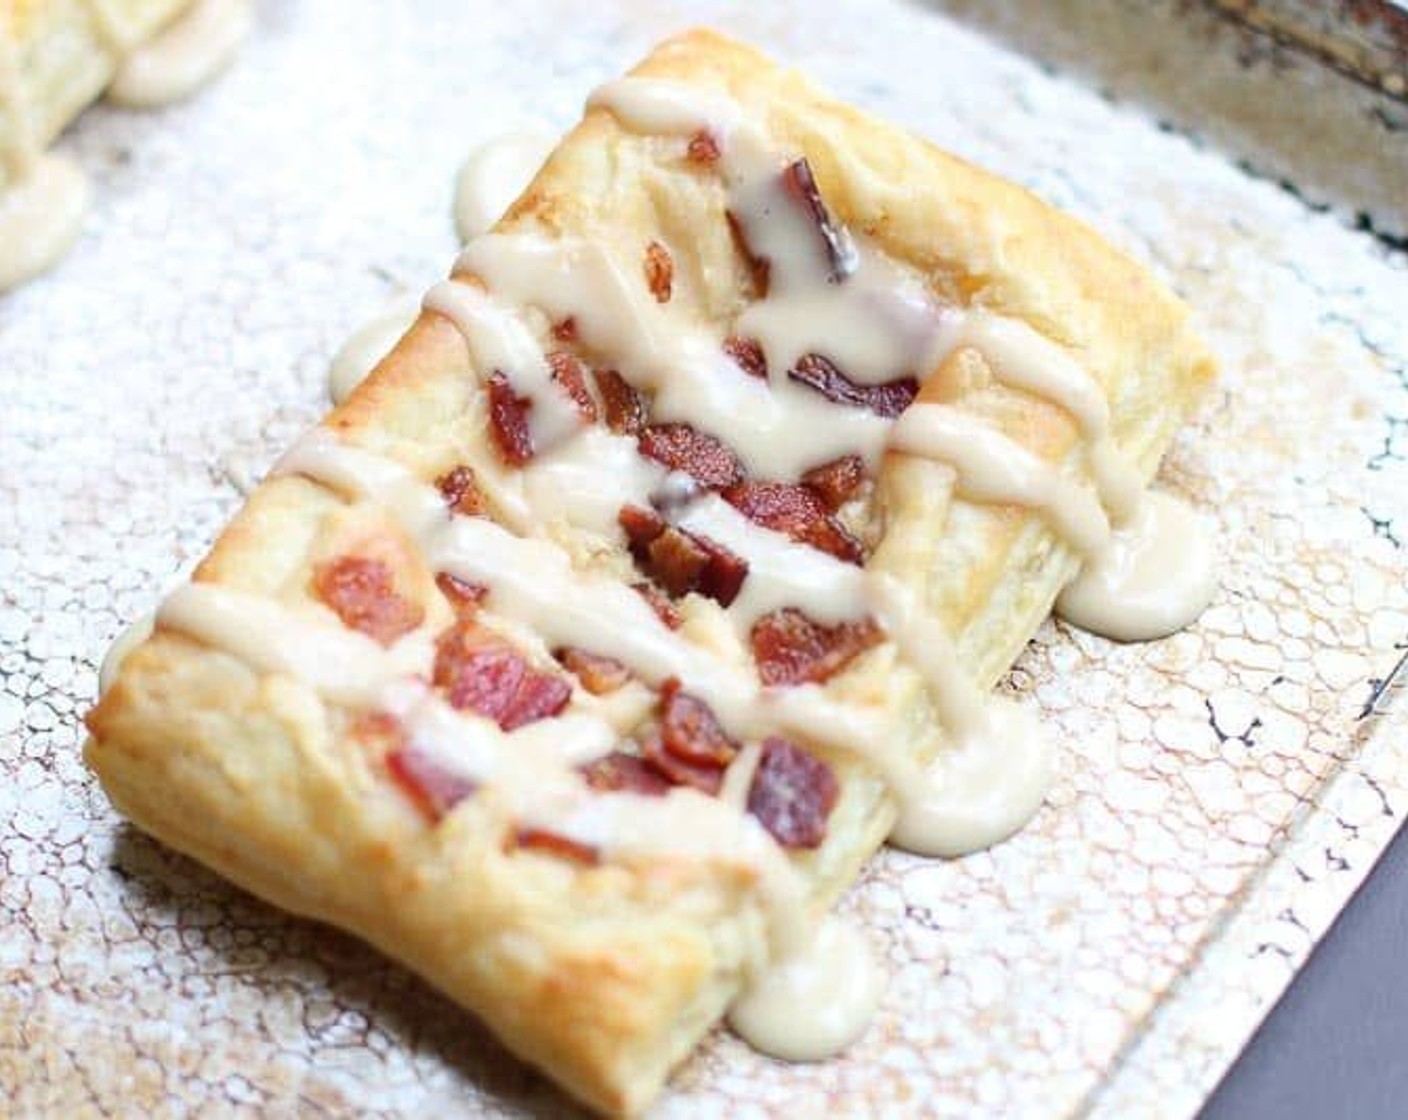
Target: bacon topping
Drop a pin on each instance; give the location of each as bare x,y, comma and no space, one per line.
478,672
363,594
465,597
703,148
689,729
683,448
800,184
599,675
538,839
625,410
705,778
659,603
460,489
659,272
566,330
792,794
792,649
682,562
887,399
641,527
567,371
621,772
748,354
838,481
794,509
434,787
508,421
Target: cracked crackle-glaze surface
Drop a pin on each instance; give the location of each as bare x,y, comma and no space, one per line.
1218,797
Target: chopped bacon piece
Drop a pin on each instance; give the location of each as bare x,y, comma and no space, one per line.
794,509
537,839
683,562
683,448
799,182
621,772
378,727
566,330
625,410
464,596
508,421
792,794
432,785
838,481
790,648
480,673
703,148
641,526
568,373
758,267
689,729
887,399
363,593
599,675
748,354
660,604
659,272
460,489
706,777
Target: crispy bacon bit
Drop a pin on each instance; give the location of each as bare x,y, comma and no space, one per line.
705,778
703,148
621,772
465,597
758,267
478,672
625,410
433,786
537,839
791,649
641,527
599,675
748,354
838,481
799,182
887,399
567,371
794,509
378,727
683,448
792,794
683,562
363,593
659,272
460,489
689,729
660,604
566,330
508,421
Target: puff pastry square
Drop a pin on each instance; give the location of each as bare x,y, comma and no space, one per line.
591,644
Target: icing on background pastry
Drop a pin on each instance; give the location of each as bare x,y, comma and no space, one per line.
493,175
43,198
368,344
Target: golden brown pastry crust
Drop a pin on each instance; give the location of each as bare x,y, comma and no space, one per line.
607,976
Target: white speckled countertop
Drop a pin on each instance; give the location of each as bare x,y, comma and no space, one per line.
1218,797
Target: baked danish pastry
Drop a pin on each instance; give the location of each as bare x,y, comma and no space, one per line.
661,572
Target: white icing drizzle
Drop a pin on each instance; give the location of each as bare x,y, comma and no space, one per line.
816,1001
183,57
778,431
41,215
992,467
342,664
586,480
493,175
500,343
1156,577
133,635
368,344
